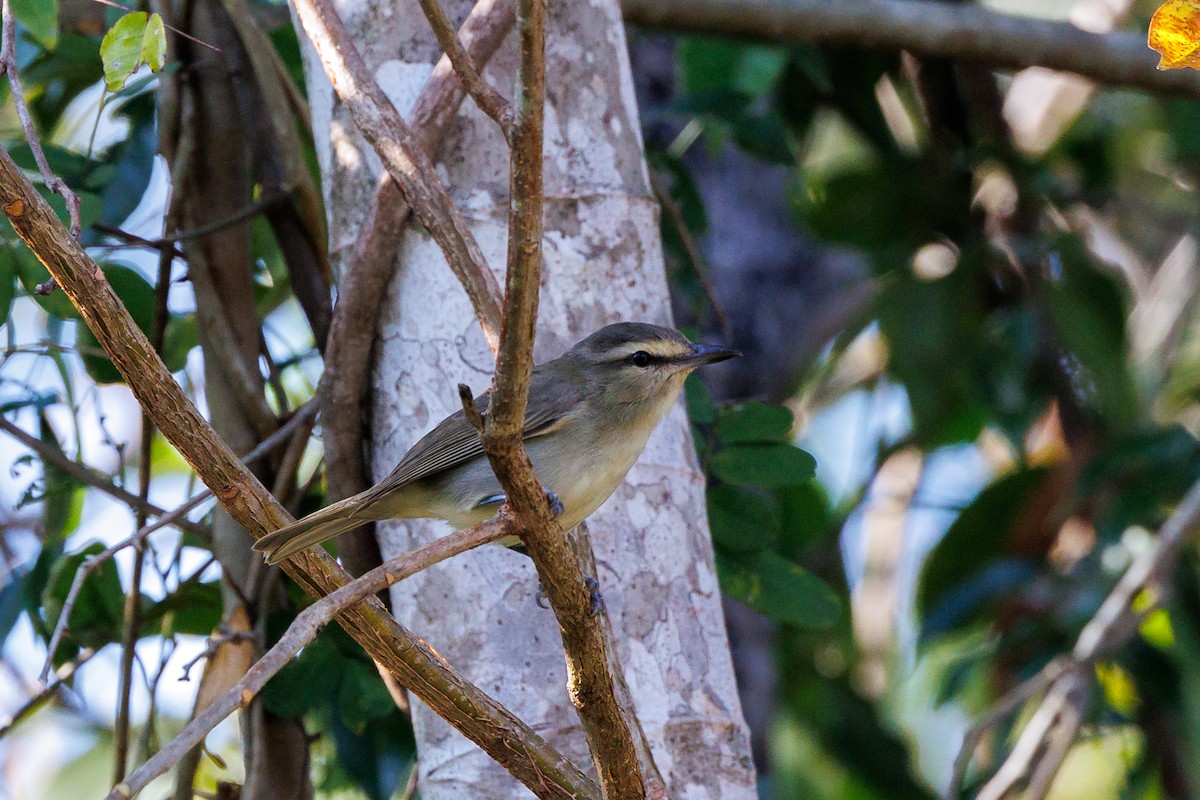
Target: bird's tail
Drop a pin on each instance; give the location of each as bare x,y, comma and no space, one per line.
318,526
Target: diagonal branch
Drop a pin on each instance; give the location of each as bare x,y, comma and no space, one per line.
488,99
300,634
404,157
416,666
590,666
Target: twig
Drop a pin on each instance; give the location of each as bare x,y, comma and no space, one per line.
404,157
260,206
590,681
8,65
62,677
961,31
1006,705
415,665
488,99
1043,742
692,250
364,279
212,645
169,27
301,633
90,477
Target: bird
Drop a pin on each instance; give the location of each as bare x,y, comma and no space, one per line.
589,414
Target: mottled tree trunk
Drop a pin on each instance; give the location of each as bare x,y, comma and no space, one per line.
603,263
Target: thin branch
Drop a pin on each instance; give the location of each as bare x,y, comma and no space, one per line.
404,157
1005,706
8,65
961,31
416,666
175,30
300,634
90,477
488,99
260,206
62,676
692,251
590,666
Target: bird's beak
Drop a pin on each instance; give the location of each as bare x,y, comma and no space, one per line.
707,354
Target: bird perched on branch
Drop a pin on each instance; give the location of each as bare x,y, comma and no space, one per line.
589,414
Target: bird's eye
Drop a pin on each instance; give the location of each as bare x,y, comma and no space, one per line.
640,359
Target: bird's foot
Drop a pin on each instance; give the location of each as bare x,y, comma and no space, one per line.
596,600
556,505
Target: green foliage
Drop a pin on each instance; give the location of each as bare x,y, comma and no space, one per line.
778,587
40,18
977,538
334,682
752,467
137,38
96,616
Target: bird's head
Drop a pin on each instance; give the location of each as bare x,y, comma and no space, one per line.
636,365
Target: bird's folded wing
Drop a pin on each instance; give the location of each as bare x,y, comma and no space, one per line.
552,404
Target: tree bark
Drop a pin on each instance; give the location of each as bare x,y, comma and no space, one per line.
213,164
603,262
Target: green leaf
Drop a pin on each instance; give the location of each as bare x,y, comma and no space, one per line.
768,465
724,64
8,282
62,495
363,697
97,614
137,38
700,406
181,336
978,537
138,296
40,18
306,683
742,521
779,588
32,274
752,422
1089,311
194,608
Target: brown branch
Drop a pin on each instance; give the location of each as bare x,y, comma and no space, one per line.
364,282
486,98
1043,742
90,477
960,31
404,156
300,634
416,666
8,65
590,681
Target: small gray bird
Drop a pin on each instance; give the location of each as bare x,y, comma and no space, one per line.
589,414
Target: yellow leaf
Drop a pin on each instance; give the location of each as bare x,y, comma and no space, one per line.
1175,34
